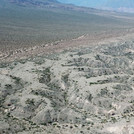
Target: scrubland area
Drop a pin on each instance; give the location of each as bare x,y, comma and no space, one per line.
66,71
86,90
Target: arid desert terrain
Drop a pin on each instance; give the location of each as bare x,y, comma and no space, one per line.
86,90
65,69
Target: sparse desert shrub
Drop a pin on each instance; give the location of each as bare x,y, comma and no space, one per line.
93,83
81,132
90,97
44,124
8,86
3,65
17,79
54,124
46,76
65,78
58,126
113,119
104,121
104,91
30,101
71,127
88,128
97,57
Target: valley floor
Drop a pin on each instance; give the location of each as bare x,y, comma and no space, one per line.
99,38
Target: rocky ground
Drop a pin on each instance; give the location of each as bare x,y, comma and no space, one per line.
82,91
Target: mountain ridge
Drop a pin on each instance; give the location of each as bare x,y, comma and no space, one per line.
39,3
118,5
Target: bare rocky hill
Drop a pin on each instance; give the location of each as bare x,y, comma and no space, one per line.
84,91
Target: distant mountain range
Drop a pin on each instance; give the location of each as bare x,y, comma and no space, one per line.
118,5
34,2
40,4
51,4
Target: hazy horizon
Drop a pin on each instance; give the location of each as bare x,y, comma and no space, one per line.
121,5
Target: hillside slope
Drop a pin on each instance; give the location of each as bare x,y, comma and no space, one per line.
84,91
